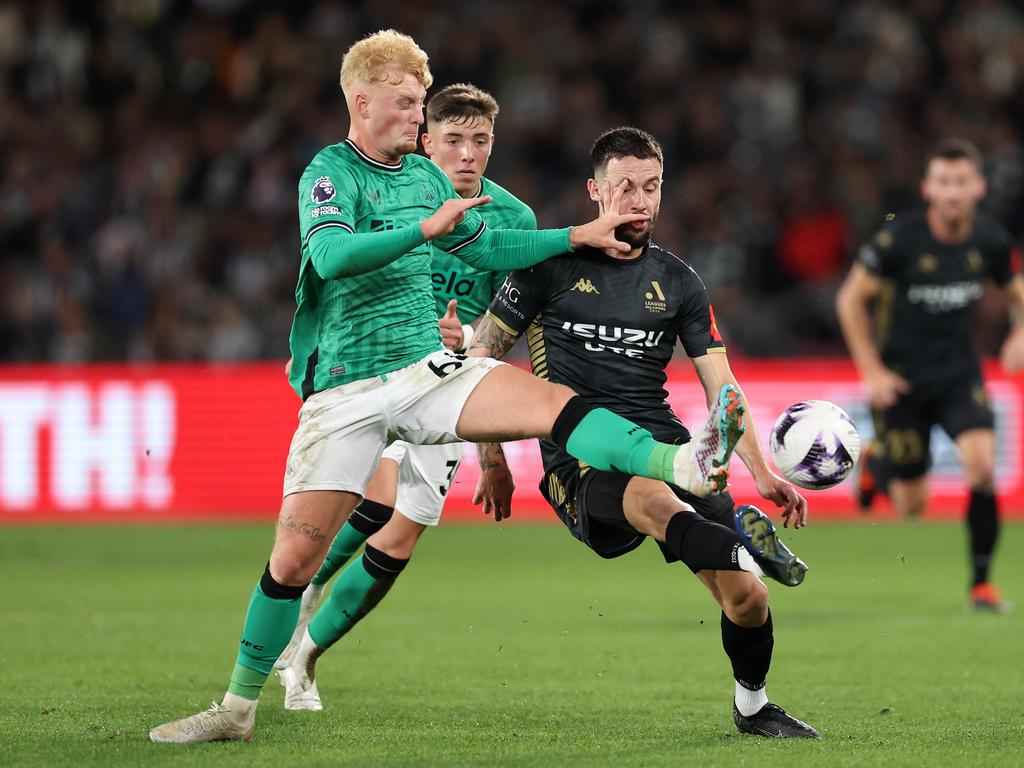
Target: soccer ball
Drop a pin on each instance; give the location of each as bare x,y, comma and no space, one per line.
815,444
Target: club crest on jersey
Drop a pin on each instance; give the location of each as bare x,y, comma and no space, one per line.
655,298
323,190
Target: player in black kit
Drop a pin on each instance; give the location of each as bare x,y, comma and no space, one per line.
922,273
606,325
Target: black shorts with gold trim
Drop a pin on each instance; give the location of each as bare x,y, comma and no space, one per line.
590,506
903,431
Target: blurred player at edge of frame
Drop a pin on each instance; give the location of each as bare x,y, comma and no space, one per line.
920,275
370,366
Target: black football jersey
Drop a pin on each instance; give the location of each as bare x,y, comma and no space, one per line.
607,328
922,316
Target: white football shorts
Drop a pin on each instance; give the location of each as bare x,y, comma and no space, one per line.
425,473
343,430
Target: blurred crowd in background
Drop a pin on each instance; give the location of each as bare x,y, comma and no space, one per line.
150,150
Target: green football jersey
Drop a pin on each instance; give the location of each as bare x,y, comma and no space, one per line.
360,325
475,288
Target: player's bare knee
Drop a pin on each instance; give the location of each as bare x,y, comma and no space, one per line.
649,505
397,538
747,602
294,566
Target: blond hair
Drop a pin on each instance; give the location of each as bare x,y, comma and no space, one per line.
378,57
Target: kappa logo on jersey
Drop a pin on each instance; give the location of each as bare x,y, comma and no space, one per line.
633,340
583,285
655,298
323,190
428,194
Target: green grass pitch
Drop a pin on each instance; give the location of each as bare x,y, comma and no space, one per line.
511,646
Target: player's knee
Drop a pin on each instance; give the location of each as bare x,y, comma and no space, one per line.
398,538
292,567
747,602
649,505
981,474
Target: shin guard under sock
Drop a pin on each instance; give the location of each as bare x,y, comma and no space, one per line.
750,651
356,592
703,544
365,520
608,442
269,623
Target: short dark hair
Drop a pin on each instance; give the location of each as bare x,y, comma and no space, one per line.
625,142
955,149
461,103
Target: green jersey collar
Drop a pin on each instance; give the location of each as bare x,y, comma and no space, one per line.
371,162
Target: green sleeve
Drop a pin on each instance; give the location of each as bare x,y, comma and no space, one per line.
505,250
338,253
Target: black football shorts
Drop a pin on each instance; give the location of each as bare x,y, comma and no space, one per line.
903,430
595,516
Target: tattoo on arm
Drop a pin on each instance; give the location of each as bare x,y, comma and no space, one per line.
308,530
491,340
491,455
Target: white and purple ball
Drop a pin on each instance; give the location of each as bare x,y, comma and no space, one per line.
815,444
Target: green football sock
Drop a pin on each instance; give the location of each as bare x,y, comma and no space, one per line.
608,442
269,624
359,588
365,520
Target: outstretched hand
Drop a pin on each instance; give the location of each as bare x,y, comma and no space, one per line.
449,216
600,233
782,494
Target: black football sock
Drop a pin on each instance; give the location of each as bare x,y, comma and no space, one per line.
983,529
750,651
701,543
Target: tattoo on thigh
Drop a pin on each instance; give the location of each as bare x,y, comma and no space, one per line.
308,530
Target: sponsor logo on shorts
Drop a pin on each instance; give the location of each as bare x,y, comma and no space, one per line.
323,190
337,370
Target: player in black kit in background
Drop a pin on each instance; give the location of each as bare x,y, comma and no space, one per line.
606,325
922,273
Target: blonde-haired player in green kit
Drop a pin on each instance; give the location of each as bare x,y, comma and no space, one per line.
414,479
370,367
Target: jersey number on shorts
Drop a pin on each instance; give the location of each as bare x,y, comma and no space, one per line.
451,366
452,466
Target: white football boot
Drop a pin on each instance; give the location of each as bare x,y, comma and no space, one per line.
299,678
307,606
232,720
701,466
